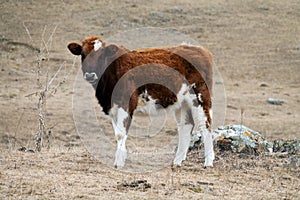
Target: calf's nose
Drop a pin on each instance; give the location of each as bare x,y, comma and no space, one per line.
90,76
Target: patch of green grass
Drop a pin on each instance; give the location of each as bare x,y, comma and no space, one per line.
196,189
12,95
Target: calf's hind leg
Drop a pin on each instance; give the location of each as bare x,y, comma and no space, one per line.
184,126
200,120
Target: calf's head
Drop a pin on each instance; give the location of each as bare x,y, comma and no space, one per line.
95,57
88,45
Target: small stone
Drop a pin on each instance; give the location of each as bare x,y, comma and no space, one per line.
264,8
264,85
29,151
22,149
275,101
297,48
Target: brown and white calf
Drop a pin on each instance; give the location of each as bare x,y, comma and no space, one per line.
174,79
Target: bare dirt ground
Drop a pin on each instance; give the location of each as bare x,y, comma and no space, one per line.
256,45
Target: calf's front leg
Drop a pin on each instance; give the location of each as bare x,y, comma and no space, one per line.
120,120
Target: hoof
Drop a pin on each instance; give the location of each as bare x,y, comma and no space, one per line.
208,162
120,158
175,167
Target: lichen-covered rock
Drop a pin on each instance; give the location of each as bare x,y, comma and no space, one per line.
289,146
242,139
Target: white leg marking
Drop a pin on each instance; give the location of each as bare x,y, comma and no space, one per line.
200,125
184,135
200,118
184,132
121,153
208,148
119,115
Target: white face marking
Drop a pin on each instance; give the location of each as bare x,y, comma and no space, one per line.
97,45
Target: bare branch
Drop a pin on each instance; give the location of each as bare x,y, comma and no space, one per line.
44,132
31,94
50,40
56,73
27,31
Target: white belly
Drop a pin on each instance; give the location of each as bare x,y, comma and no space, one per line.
147,105
150,107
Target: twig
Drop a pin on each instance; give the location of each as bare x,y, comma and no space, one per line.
43,40
56,73
17,128
27,31
49,42
31,94
42,128
54,89
242,116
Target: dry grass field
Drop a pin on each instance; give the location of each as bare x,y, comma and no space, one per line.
256,46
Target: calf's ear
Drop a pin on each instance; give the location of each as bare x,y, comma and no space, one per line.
75,48
111,50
